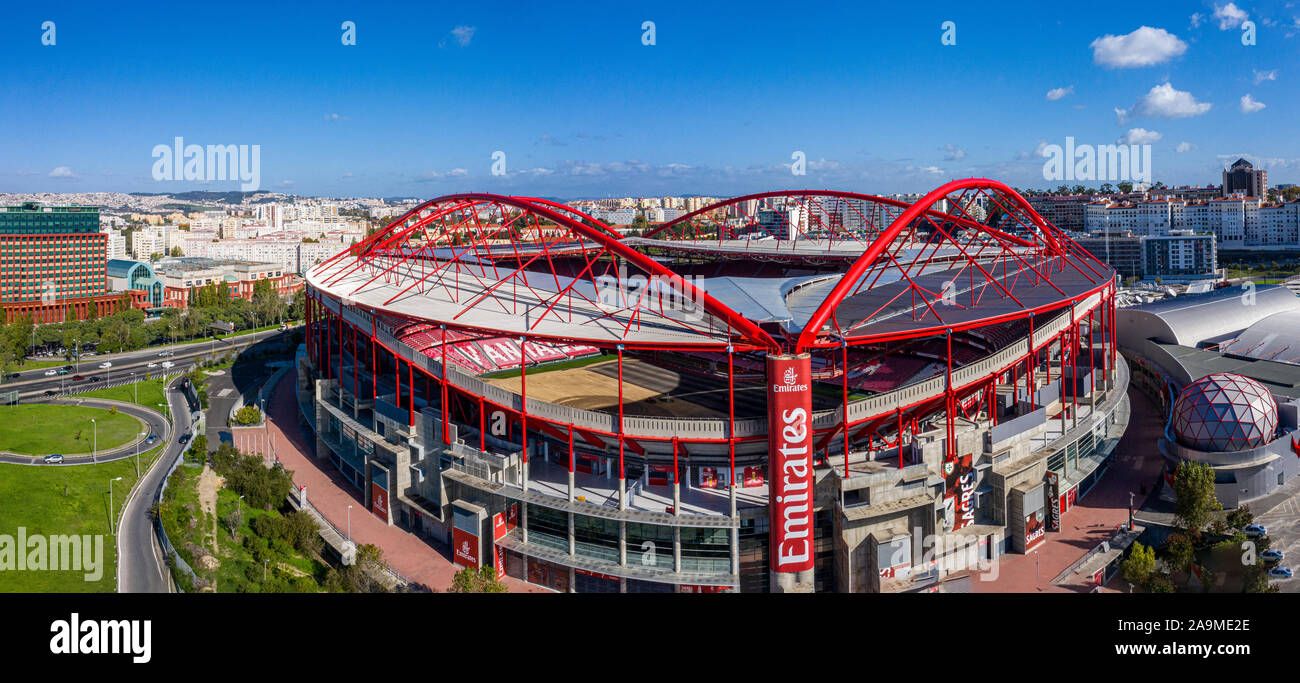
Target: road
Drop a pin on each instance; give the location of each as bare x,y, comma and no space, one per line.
157,425
34,383
140,564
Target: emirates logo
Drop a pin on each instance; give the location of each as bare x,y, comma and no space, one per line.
790,377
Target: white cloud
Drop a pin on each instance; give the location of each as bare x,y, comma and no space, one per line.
62,172
1229,16
1139,136
1057,93
1143,47
952,152
1196,19
462,35
1249,105
933,170
1185,146
1261,76
1121,116
1166,102
335,117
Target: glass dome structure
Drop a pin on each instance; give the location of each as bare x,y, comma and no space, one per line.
1224,412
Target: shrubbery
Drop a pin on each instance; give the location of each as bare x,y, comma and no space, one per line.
261,487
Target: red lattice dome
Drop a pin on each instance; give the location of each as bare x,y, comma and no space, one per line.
1224,412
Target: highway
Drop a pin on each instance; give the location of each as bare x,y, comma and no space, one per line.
34,383
140,564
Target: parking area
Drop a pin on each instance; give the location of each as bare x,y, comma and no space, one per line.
1283,523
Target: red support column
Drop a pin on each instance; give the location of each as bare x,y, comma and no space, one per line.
410,390
523,398
951,447
1033,360
731,415
397,380
844,345
482,425
621,472
900,438
444,395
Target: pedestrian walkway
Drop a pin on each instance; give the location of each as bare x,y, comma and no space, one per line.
1135,464
415,558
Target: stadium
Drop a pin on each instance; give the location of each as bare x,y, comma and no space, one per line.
791,391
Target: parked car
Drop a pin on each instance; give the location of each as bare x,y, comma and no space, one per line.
185,438
51,372
1255,530
1272,555
53,459
105,365
1280,572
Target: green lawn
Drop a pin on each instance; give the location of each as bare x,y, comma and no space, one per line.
149,392
42,429
65,500
39,364
562,365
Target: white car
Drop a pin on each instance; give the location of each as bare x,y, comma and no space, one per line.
105,365
152,365
51,372
167,364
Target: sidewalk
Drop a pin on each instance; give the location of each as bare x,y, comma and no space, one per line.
412,557
1135,463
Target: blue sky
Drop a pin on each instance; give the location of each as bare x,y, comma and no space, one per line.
582,108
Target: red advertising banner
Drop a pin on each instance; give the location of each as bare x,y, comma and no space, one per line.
959,492
708,477
498,526
790,462
499,561
465,548
512,516
1035,531
687,588
379,501
1071,497
753,476
1053,502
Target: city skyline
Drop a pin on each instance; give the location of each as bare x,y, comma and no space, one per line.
583,109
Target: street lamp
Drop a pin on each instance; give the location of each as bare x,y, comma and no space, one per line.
112,514
349,524
136,387
94,434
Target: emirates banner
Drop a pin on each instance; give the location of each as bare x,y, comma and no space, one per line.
790,466
379,501
465,548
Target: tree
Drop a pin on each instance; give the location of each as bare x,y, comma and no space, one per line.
482,580
1139,566
1181,551
176,251
1195,502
